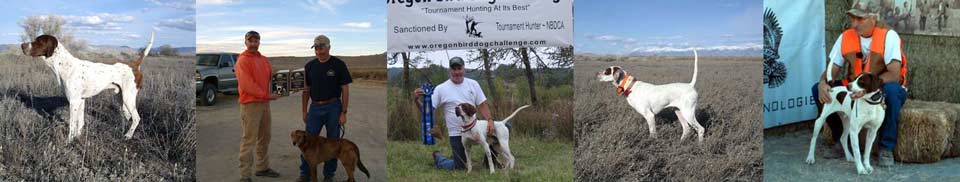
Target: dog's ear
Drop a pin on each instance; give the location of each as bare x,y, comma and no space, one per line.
608,71
869,82
618,73
43,45
457,111
469,110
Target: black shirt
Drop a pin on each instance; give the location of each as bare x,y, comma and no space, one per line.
325,79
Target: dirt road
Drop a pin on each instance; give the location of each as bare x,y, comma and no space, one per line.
219,136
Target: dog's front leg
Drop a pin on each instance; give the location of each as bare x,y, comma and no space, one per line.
651,123
488,155
855,131
74,119
871,136
817,126
313,171
466,153
845,138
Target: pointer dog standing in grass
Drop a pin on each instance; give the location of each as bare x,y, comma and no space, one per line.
82,79
474,131
649,99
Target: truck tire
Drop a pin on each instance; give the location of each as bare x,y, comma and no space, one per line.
208,94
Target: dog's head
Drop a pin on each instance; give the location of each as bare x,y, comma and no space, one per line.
299,137
866,82
611,74
43,45
466,112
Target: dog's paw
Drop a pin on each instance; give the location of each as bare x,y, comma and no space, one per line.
862,171
810,160
849,159
869,169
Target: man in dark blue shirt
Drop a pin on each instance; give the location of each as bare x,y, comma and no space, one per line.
328,92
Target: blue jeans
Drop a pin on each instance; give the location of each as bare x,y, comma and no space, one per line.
895,96
456,162
318,117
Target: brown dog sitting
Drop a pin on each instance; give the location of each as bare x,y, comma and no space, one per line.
317,149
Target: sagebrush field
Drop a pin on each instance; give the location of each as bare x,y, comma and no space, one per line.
33,127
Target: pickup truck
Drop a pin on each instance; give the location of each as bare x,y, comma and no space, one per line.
215,74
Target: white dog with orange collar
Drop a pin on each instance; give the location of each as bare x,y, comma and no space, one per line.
651,99
474,131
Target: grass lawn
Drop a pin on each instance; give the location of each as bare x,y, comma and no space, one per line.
536,161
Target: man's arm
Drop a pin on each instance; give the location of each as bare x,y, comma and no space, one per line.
485,111
345,97
305,99
893,72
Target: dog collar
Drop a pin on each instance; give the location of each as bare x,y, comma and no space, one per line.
624,88
469,126
876,99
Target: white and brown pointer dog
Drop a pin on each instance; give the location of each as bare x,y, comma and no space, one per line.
649,99
82,79
474,131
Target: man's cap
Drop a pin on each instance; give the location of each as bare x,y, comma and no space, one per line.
858,9
456,61
320,41
251,34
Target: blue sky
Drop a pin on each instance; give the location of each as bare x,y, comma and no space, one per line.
109,22
287,28
626,26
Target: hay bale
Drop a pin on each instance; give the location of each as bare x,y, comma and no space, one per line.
953,113
924,131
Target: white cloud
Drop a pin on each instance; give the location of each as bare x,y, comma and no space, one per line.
187,23
214,2
358,24
329,5
102,21
188,5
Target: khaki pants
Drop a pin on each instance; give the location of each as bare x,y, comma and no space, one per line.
256,129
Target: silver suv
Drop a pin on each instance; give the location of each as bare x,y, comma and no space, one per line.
215,74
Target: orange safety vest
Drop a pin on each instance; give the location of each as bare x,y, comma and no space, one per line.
850,47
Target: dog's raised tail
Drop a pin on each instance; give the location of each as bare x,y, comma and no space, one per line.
695,61
505,120
360,163
145,52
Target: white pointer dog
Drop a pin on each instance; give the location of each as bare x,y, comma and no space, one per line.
474,131
856,113
649,99
82,79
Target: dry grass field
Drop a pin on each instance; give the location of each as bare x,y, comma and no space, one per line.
33,127
612,141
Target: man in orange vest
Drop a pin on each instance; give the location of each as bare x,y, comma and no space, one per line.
253,82
868,46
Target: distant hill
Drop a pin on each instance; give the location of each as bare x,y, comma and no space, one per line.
378,61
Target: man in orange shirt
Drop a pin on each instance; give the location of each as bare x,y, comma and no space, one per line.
253,79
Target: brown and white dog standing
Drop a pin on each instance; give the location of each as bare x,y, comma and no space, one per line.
82,79
856,113
317,149
474,131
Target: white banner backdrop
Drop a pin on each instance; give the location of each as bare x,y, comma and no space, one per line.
794,57
421,25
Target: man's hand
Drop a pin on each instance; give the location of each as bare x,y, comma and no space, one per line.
490,129
274,96
343,119
857,95
417,93
304,117
824,92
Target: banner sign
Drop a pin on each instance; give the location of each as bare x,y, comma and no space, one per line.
794,57
424,25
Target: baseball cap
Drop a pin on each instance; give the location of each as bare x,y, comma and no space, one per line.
251,34
320,41
861,9
456,62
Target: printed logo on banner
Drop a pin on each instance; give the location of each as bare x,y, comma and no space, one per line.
774,71
471,28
